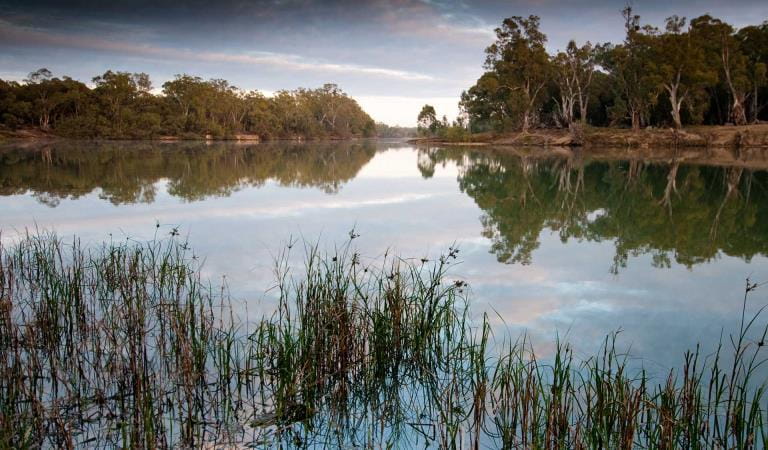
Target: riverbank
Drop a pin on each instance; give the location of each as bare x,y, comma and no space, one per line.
36,134
748,136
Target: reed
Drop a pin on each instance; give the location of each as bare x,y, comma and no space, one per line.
125,345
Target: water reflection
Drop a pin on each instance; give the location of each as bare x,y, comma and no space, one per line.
129,172
566,225
684,213
673,211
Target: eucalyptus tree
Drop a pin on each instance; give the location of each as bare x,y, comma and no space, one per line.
8,102
260,116
582,61
679,67
753,41
566,84
521,64
118,90
40,83
628,64
184,91
722,50
486,105
427,120
573,72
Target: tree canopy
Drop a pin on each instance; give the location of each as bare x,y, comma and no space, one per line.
123,105
701,71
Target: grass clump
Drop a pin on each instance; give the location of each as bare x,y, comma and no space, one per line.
125,345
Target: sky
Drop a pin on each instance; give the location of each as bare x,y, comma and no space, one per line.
392,56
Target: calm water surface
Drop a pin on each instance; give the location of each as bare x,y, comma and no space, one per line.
565,245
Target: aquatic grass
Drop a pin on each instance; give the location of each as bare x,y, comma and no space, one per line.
125,345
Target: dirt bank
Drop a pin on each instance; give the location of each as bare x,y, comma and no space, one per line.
748,136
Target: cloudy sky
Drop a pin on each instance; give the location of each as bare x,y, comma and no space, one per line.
391,55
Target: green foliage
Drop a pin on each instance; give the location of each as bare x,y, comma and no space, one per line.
455,133
427,121
519,69
121,105
386,131
753,40
706,72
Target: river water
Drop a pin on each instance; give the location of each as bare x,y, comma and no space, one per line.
552,244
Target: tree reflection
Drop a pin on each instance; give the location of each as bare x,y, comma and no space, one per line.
673,211
129,172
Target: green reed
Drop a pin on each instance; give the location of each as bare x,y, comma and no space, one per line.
125,345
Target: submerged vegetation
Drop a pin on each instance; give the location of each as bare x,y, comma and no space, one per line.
121,105
126,345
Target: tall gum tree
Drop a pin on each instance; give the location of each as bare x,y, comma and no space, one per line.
753,41
722,48
521,64
628,64
566,84
119,90
573,72
427,120
634,75
40,80
679,66
582,61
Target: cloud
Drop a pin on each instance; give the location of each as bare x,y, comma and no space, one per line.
13,34
401,110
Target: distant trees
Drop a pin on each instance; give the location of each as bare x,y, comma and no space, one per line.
122,105
388,131
430,126
427,120
702,71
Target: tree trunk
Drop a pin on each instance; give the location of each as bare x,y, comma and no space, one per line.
45,121
526,121
738,115
584,97
754,105
676,104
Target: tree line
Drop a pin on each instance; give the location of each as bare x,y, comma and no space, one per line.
394,131
122,105
702,71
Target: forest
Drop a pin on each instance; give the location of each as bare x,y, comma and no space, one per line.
698,72
122,105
